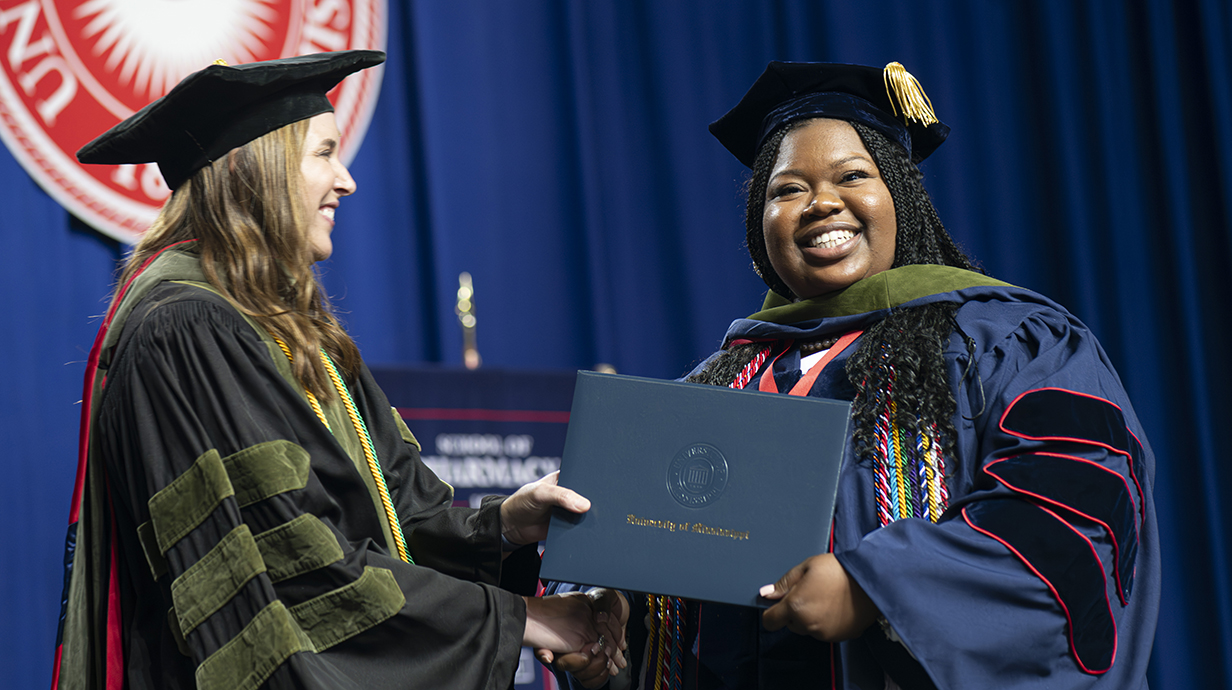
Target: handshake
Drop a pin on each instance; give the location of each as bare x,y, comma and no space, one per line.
579,632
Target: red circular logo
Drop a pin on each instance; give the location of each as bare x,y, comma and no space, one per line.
70,69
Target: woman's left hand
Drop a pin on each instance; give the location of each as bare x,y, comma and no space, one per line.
819,598
524,515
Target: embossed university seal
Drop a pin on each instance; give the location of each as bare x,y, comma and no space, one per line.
70,69
697,475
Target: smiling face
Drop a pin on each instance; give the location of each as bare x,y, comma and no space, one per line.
326,180
829,217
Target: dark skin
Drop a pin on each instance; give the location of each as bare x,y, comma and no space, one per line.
829,219
594,665
828,222
818,598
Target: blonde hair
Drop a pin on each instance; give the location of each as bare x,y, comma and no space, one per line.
245,214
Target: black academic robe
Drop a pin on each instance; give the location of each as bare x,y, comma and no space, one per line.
250,544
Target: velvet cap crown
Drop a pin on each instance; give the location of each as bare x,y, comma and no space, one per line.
222,107
790,91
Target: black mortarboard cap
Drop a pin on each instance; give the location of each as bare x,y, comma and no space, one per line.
222,107
889,100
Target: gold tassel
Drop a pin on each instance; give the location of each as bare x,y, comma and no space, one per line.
223,62
907,95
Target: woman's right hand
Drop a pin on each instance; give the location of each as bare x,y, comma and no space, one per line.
820,599
561,623
555,623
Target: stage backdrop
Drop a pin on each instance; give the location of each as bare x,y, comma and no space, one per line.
558,152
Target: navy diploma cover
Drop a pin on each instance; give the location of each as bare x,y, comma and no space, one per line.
696,491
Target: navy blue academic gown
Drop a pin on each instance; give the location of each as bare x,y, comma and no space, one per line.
1044,571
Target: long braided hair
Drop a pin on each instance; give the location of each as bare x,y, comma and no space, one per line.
903,352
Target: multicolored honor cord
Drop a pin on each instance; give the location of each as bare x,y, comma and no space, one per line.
361,430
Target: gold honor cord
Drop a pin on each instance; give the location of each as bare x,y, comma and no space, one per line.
906,95
365,440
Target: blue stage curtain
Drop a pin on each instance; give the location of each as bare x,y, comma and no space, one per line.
558,152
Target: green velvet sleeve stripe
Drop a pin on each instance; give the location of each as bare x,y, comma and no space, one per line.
405,430
190,498
173,622
350,610
244,663
149,544
267,469
216,578
297,547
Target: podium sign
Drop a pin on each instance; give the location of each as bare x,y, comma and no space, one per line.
485,432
